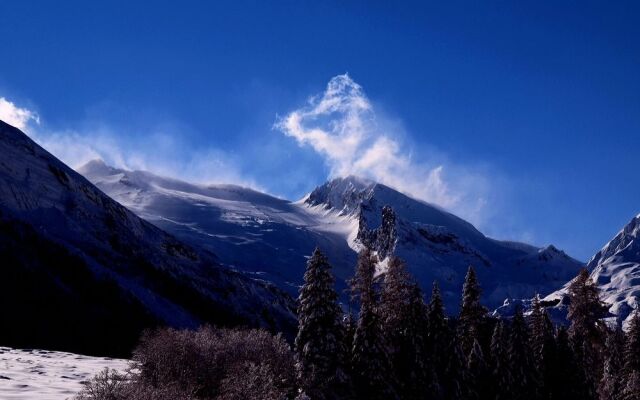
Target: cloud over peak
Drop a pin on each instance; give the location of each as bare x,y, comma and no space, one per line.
342,126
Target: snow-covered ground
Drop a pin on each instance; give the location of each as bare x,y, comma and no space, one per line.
48,375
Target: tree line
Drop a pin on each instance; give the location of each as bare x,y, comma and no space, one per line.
401,347
396,346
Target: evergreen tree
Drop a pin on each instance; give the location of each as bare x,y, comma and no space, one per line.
522,381
370,360
632,387
454,381
439,339
631,372
478,374
320,341
567,382
611,384
632,346
585,309
500,371
586,330
542,345
404,320
472,313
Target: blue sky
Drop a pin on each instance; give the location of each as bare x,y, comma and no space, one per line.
523,117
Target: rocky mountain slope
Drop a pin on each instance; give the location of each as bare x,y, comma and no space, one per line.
80,272
616,270
271,237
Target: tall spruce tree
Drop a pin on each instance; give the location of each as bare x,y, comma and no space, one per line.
404,320
500,370
542,346
455,379
631,371
523,381
632,387
611,383
478,374
439,340
586,330
632,347
567,382
320,341
472,313
373,376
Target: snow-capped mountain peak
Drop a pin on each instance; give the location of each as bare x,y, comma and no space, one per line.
342,194
616,271
625,244
271,237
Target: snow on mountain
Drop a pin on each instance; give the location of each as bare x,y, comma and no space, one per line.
246,229
80,272
272,237
440,246
48,375
616,270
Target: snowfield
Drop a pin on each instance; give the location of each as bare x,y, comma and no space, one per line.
48,375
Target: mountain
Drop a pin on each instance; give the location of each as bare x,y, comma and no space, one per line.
270,237
616,270
82,273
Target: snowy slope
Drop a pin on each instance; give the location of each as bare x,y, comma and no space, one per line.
247,230
48,375
89,274
440,246
616,270
256,232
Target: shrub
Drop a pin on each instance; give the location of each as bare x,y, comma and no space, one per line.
106,385
208,363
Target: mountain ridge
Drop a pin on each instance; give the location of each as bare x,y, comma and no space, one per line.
65,242
339,216
615,269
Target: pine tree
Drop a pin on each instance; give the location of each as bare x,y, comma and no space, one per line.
567,382
586,330
500,370
404,320
631,371
439,338
632,387
349,322
472,313
585,309
320,340
632,346
522,381
370,360
455,380
542,345
478,375
611,384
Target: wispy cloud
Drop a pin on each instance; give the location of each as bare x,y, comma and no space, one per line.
160,149
342,125
16,116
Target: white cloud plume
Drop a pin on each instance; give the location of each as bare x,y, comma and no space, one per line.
342,125
160,151
16,116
